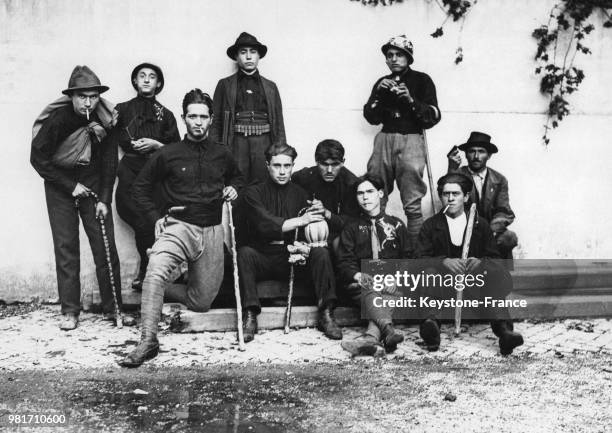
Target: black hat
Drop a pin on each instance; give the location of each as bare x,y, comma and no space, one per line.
83,78
459,178
479,139
158,71
246,40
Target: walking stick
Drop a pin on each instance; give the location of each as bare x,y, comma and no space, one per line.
236,281
118,317
464,255
290,295
429,174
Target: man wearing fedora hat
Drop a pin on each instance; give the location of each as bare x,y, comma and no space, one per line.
405,103
70,153
490,191
248,111
143,126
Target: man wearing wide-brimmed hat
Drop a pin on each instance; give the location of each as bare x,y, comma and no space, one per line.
143,126
248,111
490,191
405,103
70,153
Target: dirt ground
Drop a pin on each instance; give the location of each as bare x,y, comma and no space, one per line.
559,381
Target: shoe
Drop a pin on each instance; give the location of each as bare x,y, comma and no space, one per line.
508,339
147,349
126,319
249,328
364,345
69,322
391,338
430,333
327,324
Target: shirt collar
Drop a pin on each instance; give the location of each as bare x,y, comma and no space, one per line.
195,144
482,174
242,74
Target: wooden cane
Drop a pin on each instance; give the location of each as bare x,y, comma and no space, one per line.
236,280
290,294
464,255
118,317
429,174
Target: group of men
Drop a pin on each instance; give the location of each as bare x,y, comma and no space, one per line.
171,192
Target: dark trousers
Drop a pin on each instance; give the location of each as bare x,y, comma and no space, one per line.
249,153
255,266
64,220
144,232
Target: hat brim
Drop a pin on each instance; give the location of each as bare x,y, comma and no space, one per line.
386,47
70,90
491,148
233,50
157,70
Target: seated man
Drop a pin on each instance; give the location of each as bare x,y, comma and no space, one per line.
273,214
374,235
490,190
442,237
196,175
330,187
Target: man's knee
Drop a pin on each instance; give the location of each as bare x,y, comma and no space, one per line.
247,256
159,267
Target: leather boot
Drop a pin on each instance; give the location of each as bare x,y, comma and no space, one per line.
429,330
249,328
327,324
147,349
508,339
69,322
364,345
391,338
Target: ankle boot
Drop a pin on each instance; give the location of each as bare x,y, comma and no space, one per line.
429,330
249,328
148,348
508,339
391,338
327,324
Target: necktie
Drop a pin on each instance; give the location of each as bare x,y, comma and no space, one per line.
375,240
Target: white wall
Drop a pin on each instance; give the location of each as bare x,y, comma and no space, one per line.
324,55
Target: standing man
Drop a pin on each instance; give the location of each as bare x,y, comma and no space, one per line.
441,238
273,214
75,129
143,126
374,235
196,175
248,111
490,191
329,185
405,103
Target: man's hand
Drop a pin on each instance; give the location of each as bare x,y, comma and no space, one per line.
101,210
456,266
81,191
402,92
311,217
144,145
229,193
454,159
386,83
472,264
317,206
365,280
159,226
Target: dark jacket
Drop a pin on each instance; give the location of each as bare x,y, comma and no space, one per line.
338,196
494,205
189,174
434,239
398,115
224,101
99,175
356,243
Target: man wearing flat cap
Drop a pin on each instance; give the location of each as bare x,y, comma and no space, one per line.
490,191
248,111
70,153
441,241
143,126
405,103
